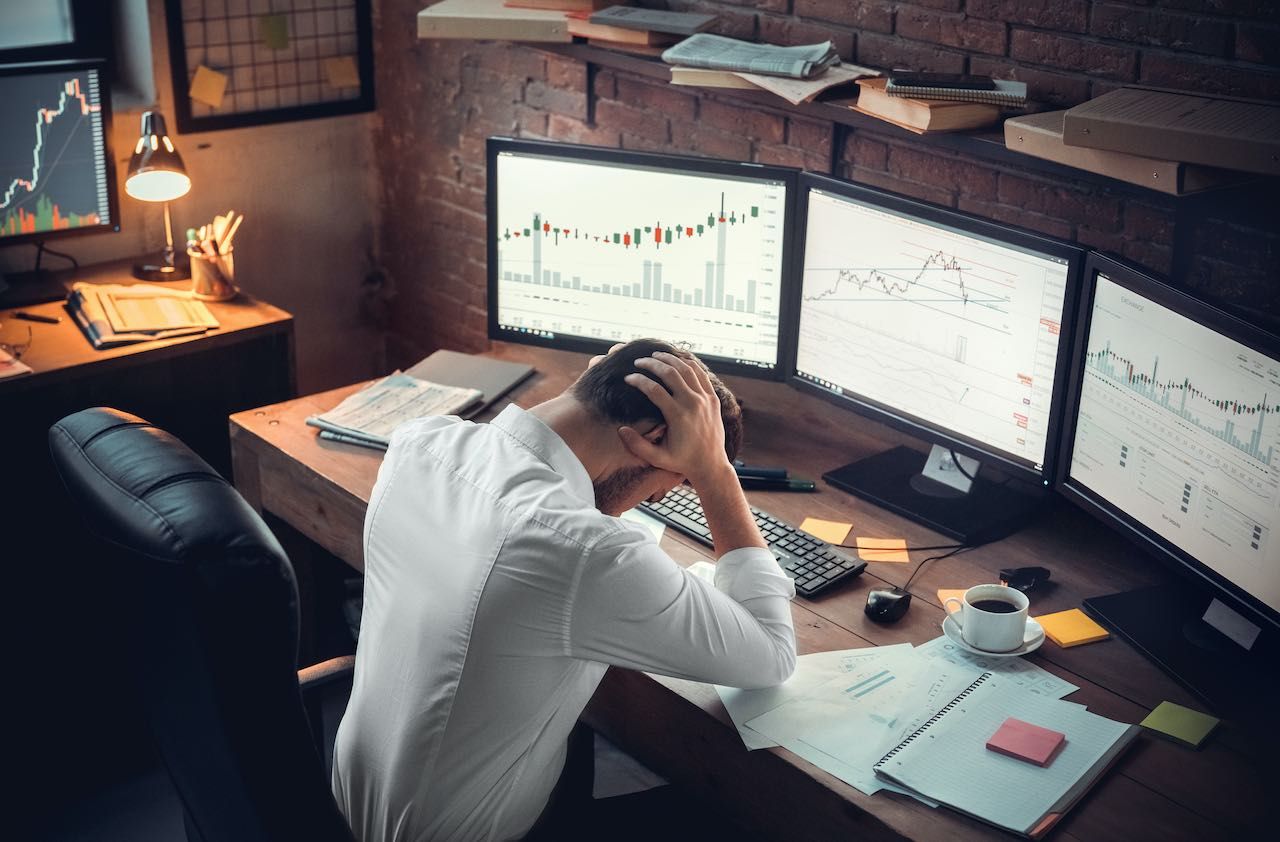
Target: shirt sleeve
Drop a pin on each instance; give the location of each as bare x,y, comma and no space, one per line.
636,607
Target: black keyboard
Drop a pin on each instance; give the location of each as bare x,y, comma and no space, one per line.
814,564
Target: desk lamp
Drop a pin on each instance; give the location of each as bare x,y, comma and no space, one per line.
156,174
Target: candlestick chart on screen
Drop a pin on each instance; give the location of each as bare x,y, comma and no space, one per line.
618,253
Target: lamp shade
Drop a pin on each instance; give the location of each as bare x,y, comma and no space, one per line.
156,172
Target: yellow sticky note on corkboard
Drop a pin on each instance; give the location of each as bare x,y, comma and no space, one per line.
831,531
274,31
949,593
208,86
883,549
341,71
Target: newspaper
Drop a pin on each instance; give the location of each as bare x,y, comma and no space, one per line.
796,91
721,53
369,416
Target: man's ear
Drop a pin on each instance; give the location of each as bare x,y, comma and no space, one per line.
657,434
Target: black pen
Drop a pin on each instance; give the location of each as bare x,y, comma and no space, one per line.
36,317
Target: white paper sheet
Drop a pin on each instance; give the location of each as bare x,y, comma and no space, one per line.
1017,672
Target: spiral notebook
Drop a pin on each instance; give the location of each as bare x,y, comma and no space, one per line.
946,758
1006,92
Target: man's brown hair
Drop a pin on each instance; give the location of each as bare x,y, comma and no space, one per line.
602,389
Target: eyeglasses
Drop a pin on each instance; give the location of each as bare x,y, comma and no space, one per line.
1025,579
17,349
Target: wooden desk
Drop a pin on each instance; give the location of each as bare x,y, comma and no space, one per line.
1157,791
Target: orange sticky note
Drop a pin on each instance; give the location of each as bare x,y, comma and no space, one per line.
948,593
1072,628
208,86
341,71
883,549
831,531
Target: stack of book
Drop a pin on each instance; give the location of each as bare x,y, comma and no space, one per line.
924,115
646,31
1176,142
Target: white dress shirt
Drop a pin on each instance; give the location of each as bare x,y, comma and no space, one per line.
495,597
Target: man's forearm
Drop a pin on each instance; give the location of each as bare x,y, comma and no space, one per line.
728,514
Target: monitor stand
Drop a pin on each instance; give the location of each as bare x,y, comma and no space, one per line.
897,480
25,288
1165,624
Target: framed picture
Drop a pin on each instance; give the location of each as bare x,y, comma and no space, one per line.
250,62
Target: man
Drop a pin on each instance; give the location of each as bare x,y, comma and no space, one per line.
500,584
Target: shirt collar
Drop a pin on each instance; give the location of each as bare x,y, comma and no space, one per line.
528,429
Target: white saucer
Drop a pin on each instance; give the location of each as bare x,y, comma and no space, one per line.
1031,640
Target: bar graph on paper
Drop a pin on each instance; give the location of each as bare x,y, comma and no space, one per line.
608,253
1180,427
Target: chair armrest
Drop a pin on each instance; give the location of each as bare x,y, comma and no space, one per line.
326,672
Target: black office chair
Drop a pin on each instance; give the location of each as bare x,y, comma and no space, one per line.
212,605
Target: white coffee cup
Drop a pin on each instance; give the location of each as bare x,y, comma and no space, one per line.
985,625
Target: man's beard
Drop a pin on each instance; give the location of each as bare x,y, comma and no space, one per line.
613,490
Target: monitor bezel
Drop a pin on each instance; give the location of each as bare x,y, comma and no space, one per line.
1160,292
104,91
497,146
969,226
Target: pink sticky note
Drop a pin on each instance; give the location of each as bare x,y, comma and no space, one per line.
1026,741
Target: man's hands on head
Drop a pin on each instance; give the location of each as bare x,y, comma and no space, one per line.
693,444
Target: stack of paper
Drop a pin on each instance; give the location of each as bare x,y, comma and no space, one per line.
117,314
369,416
843,710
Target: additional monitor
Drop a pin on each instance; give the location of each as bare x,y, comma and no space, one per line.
1173,436
589,247
948,327
56,173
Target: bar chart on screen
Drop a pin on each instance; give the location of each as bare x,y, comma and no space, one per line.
1186,439
945,326
591,250
53,173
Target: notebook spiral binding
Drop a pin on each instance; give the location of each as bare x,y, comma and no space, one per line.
977,682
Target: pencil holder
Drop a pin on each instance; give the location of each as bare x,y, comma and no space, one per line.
213,278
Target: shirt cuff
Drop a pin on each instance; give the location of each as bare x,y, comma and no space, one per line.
750,573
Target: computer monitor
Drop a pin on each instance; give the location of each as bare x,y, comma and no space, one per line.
589,247
1172,435
56,170
948,327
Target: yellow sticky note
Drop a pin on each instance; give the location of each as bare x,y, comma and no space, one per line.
1187,726
342,72
831,531
208,86
274,31
1072,628
883,549
950,593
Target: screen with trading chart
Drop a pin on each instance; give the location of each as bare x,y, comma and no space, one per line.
1176,427
957,332
55,173
592,247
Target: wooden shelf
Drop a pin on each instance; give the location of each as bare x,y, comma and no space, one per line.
983,145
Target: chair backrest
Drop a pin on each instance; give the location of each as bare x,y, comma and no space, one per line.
212,604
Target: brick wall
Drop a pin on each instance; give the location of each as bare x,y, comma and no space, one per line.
439,100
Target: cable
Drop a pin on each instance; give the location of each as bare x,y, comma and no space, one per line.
920,566
41,248
955,460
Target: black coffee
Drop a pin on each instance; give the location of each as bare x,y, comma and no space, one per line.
995,606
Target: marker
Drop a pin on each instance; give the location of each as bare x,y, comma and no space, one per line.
36,317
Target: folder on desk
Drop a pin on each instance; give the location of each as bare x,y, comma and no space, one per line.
493,378
946,758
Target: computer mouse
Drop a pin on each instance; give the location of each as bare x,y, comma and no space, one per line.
887,605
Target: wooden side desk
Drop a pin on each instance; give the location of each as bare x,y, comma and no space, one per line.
1158,790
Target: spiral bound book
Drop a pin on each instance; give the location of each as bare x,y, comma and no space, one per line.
1006,93
946,758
